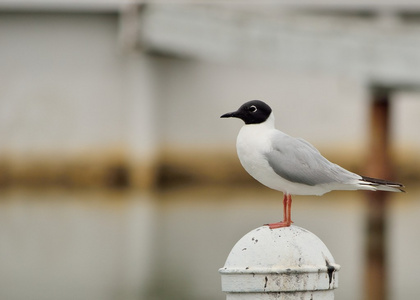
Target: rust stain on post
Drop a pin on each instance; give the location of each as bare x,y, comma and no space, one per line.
378,166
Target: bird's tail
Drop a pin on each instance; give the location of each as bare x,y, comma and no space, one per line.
381,185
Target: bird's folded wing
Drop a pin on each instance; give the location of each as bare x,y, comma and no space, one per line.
298,161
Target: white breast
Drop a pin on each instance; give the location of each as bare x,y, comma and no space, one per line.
253,142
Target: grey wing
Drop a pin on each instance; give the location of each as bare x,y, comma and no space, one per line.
298,161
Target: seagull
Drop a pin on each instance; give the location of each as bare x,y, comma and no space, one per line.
291,165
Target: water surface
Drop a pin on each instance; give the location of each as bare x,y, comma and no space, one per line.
100,245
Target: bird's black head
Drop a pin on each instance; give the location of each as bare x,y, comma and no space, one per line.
251,112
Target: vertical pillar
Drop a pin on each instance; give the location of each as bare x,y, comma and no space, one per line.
378,166
284,263
142,132
138,84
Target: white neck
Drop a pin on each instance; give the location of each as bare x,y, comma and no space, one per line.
251,132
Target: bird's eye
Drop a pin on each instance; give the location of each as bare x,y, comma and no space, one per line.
252,108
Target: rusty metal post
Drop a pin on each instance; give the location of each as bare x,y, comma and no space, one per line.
378,166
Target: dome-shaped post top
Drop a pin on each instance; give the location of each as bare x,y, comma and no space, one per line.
288,260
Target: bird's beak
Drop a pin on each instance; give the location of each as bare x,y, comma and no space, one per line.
229,115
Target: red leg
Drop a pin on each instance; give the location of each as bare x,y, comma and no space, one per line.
287,212
289,209
285,200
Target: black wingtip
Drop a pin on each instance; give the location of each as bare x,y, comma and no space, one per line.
376,181
381,181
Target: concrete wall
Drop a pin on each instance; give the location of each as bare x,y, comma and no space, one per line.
61,83
71,91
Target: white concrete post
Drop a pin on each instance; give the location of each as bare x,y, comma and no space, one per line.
285,263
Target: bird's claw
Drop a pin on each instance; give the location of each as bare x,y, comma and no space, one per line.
279,224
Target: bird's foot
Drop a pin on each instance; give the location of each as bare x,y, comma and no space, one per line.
279,224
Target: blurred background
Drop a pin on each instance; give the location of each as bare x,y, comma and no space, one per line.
118,180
